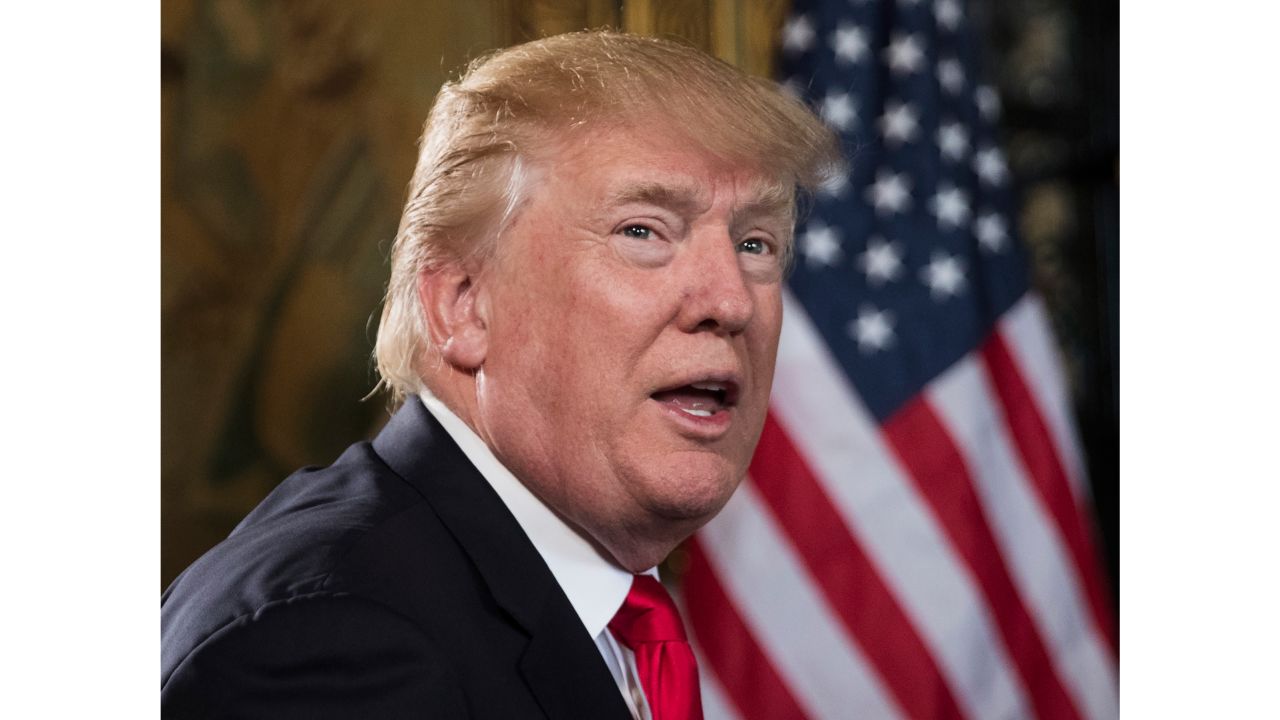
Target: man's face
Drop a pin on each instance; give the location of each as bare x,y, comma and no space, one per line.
633,310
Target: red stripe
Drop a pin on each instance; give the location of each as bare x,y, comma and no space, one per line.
1048,476
938,470
729,647
851,583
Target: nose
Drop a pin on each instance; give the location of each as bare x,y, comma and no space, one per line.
717,296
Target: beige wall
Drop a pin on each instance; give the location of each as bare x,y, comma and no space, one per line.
289,134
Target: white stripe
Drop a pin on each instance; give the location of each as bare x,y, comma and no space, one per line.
1025,329
1037,557
715,703
796,628
842,443
891,522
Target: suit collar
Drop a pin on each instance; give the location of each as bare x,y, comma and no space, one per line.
561,664
594,583
417,448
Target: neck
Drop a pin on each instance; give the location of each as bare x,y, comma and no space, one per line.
634,546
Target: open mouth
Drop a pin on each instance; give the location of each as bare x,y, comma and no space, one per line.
700,399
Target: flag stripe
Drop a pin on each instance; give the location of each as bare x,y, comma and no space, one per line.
1046,470
1026,331
858,472
934,462
797,630
730,649
851,583
715,703
1037,557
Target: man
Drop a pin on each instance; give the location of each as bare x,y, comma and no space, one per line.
582,319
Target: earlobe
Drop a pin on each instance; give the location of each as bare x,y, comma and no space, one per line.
455,323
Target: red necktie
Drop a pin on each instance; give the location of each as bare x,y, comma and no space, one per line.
649,624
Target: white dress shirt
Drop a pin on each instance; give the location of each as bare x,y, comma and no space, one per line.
594,584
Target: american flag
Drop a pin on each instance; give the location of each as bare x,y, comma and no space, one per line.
915,536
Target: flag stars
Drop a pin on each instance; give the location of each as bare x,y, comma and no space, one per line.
988,102
904,55
948,13
849,43
881,261
898,124
890,193
951,75
988,163
944,275
951,206
873,329
839,111
953,140
820,245
991,232
798,34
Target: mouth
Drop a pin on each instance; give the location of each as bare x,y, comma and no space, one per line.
705,403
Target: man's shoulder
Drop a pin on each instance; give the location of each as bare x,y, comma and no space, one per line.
352,529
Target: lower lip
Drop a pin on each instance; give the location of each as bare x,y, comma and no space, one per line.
710,427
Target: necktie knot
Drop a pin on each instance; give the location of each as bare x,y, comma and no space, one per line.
649,624
647,615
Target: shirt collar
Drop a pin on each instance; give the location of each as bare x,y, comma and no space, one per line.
594,584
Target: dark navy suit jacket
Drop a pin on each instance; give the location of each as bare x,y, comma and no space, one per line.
391,584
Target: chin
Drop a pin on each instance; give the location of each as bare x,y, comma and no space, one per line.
690,489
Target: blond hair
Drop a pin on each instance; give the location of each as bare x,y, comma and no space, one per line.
486,129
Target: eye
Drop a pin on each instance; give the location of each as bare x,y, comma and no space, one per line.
644,242
754,246
639,232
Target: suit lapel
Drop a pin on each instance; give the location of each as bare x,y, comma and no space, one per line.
567,690
561,664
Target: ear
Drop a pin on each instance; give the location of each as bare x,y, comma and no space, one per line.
455,322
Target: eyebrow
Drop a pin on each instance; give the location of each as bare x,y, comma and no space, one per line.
680,198
686,199
770,198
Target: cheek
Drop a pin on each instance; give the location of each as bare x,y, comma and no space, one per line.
571,343
535,297
766,329
616,315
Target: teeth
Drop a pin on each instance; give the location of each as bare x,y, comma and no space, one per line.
716,387
696,412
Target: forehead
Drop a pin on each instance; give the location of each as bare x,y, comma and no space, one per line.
621,165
